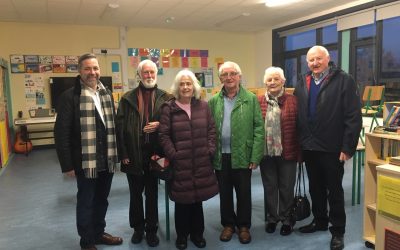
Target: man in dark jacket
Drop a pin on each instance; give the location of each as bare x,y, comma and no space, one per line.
329,123
86,148
137,124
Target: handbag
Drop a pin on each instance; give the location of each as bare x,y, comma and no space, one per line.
160,167
301,208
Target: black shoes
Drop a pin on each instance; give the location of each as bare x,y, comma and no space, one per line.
198,241
137,237
270,228
181,243
152,239
286,230
312,228
337,242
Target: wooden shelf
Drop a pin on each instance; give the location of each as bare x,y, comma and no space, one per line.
370,239
377,162
372,206
373,144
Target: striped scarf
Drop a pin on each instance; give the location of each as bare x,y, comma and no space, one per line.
145,111
88,130
273,126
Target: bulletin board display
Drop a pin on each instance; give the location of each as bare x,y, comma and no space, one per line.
171,61
43,64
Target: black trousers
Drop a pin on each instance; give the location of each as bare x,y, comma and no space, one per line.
92,206
189,219
143,219
325,175
240,180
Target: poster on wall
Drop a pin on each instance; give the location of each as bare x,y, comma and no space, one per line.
17,64
34,91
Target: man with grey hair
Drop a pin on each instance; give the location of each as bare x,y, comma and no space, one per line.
239,149
329,125
137,124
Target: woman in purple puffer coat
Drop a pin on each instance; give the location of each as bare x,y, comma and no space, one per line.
187,136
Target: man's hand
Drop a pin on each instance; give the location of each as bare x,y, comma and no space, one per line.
252,166
70,173
126,161
343,157
151,127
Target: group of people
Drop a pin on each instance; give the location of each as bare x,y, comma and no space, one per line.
212,148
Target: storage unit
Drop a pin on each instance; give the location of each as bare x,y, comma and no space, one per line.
378,147
388,210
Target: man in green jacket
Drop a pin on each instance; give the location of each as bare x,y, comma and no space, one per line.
239,149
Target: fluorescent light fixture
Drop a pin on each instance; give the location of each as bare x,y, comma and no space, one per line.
276,3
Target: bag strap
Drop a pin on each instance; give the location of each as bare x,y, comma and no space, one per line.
300,181
302,175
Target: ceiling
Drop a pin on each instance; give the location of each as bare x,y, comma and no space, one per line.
219,15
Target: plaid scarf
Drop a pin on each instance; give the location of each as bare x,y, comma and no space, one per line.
273,126
88,130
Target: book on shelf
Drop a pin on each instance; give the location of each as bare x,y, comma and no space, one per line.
395,160
392,119
389,149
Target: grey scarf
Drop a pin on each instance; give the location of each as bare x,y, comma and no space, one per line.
273,125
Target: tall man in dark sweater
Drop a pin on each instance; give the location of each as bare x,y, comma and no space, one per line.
329,123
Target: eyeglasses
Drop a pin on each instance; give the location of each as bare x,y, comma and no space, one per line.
229,74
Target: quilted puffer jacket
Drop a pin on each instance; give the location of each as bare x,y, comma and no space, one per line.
247,129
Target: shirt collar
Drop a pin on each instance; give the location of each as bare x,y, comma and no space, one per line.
322,77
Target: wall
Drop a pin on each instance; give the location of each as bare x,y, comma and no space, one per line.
263,46
54,39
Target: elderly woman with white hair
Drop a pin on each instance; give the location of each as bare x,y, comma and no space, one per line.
278,166
187,136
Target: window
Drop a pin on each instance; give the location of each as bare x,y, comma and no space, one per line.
291,72
390,61
329,34
366,31
300,40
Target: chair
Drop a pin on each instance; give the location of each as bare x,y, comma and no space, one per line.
358,161
373,94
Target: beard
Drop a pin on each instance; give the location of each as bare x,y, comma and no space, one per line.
149,83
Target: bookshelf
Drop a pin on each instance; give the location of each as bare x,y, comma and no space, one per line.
387,106
378,149
388,212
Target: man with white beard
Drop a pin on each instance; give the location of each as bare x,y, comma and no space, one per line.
137,123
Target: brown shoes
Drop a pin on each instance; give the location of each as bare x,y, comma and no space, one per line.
108,239
244,235
226,234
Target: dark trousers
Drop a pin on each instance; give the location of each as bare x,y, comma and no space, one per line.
278,178
189,219
143,219
325,175
92,206
240,180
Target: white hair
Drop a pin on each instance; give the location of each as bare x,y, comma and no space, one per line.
229,65
177,81
274,70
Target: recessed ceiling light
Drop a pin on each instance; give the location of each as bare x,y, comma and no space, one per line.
169,19
113,5
275,3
